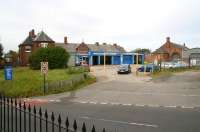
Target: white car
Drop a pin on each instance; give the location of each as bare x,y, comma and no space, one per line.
173,64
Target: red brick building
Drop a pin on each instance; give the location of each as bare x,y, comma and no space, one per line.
169,51
31,44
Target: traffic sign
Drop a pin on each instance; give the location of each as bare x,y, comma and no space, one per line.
44,67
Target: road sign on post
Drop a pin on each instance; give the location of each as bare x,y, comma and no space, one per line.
44,67
44,71
8,73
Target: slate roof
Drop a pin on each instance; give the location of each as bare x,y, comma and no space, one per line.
161,50
179,46
106,48
71,47
43,37
28,40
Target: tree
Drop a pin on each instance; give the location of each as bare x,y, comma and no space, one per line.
1,57
57,57
12,56
1,51
142,51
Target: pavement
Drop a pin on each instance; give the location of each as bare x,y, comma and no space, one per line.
132,103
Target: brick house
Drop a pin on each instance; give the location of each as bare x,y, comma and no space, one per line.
169,51
31,44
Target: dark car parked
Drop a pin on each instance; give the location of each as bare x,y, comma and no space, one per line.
148,68
124,68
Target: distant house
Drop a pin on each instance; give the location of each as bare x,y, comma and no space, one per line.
92,54
31,44
169,51
192,56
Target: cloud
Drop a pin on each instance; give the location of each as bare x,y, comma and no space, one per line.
131,23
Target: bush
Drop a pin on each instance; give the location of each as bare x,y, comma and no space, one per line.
56,56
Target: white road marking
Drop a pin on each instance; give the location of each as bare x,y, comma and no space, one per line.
83,102
122,122
137,105
140,105
151,105
166,94
103,103
127,104
187,107
114,103
170,106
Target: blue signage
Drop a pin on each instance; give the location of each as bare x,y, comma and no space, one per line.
8,73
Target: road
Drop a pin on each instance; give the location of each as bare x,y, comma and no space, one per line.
121,118
128,103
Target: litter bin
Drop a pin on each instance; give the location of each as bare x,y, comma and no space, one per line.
8,72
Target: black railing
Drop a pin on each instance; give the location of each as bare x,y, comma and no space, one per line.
17,116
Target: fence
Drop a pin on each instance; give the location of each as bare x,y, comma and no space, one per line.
16,116
70,83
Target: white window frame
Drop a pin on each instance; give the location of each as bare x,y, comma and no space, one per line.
44,45
27,49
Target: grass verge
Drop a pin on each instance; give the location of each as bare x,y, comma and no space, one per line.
170,72
27,82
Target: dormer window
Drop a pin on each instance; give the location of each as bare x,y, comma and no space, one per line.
27,49
44,45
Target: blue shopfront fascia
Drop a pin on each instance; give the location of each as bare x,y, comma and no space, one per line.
91,53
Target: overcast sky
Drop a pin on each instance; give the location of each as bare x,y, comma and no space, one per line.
129,23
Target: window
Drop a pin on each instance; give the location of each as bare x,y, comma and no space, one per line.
27,49
44,45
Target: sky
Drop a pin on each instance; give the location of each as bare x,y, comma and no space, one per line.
129,23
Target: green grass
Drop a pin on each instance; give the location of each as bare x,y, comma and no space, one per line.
170,72
81,84
27,82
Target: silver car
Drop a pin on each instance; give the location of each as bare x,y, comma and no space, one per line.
124,68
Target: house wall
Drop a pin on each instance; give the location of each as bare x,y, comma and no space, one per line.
190,58
24,56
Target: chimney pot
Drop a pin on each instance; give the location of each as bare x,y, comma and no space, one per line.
97,43
168,39
115,44
65,40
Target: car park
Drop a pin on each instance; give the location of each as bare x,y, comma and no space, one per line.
124,68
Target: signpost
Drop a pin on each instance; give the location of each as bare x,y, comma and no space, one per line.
44,71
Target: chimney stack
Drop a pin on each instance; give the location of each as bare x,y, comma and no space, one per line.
97,43
32,33
168,39
65,40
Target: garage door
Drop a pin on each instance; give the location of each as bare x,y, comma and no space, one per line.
116,60
127,59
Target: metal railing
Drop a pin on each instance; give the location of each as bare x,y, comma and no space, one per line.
17,116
